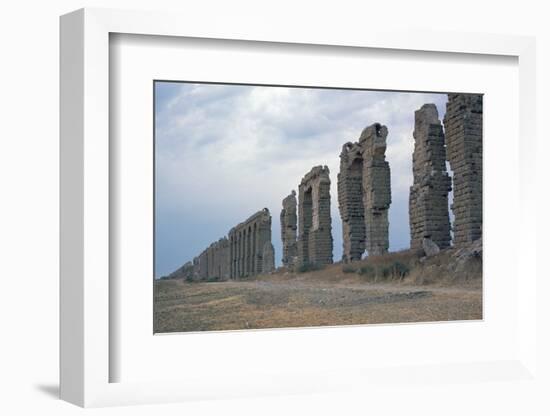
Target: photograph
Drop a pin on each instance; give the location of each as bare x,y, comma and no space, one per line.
282,206
275,208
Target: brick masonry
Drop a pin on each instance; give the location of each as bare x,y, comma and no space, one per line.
463,134
364,194
364,198
246,251
247,243
314,222
428,198
289,227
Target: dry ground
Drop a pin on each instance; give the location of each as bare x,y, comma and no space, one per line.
331,296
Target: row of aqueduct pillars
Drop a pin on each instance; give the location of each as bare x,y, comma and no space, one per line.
250,248
245,251
364,198
364,189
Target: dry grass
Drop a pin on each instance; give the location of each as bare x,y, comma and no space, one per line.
324,297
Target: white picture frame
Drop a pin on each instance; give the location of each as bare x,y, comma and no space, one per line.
85,307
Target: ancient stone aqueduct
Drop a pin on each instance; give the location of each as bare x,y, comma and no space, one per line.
364,198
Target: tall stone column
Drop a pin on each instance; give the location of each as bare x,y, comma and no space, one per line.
428,199
243,253
463,133
376,188
263,223
350,202
255,250
289,221
315,224
234,255
246,251
240,245
304,224
268,258
210,262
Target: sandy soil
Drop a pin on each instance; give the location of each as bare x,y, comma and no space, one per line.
319,298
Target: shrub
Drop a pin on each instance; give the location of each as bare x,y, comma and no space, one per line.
384,271
400,270
213,279
348,269
367,271
394,270
308,267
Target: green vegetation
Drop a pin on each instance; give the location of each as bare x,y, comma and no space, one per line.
395,270
308,267
400,270
384,271
367,271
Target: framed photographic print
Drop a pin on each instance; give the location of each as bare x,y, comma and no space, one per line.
275,212
364,238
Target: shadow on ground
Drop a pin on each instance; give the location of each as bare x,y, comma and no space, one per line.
51,390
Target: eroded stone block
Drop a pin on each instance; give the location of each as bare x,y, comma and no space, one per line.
289,227
428,198
463,134
314,225
364,194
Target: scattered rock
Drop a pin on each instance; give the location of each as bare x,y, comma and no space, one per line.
430,248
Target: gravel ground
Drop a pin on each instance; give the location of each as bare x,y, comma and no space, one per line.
308,300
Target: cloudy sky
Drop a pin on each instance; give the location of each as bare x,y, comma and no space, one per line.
224,152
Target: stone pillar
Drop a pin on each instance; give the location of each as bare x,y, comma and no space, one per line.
463,133
263,223
428,199
254,251
231,257
289,227
304,224
236,256
211,270
196,268
250,253
224,259
212,264
203,265
241,255
246,251
376,188
268,258
238,261
315,224
350,202
208,262
215,263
